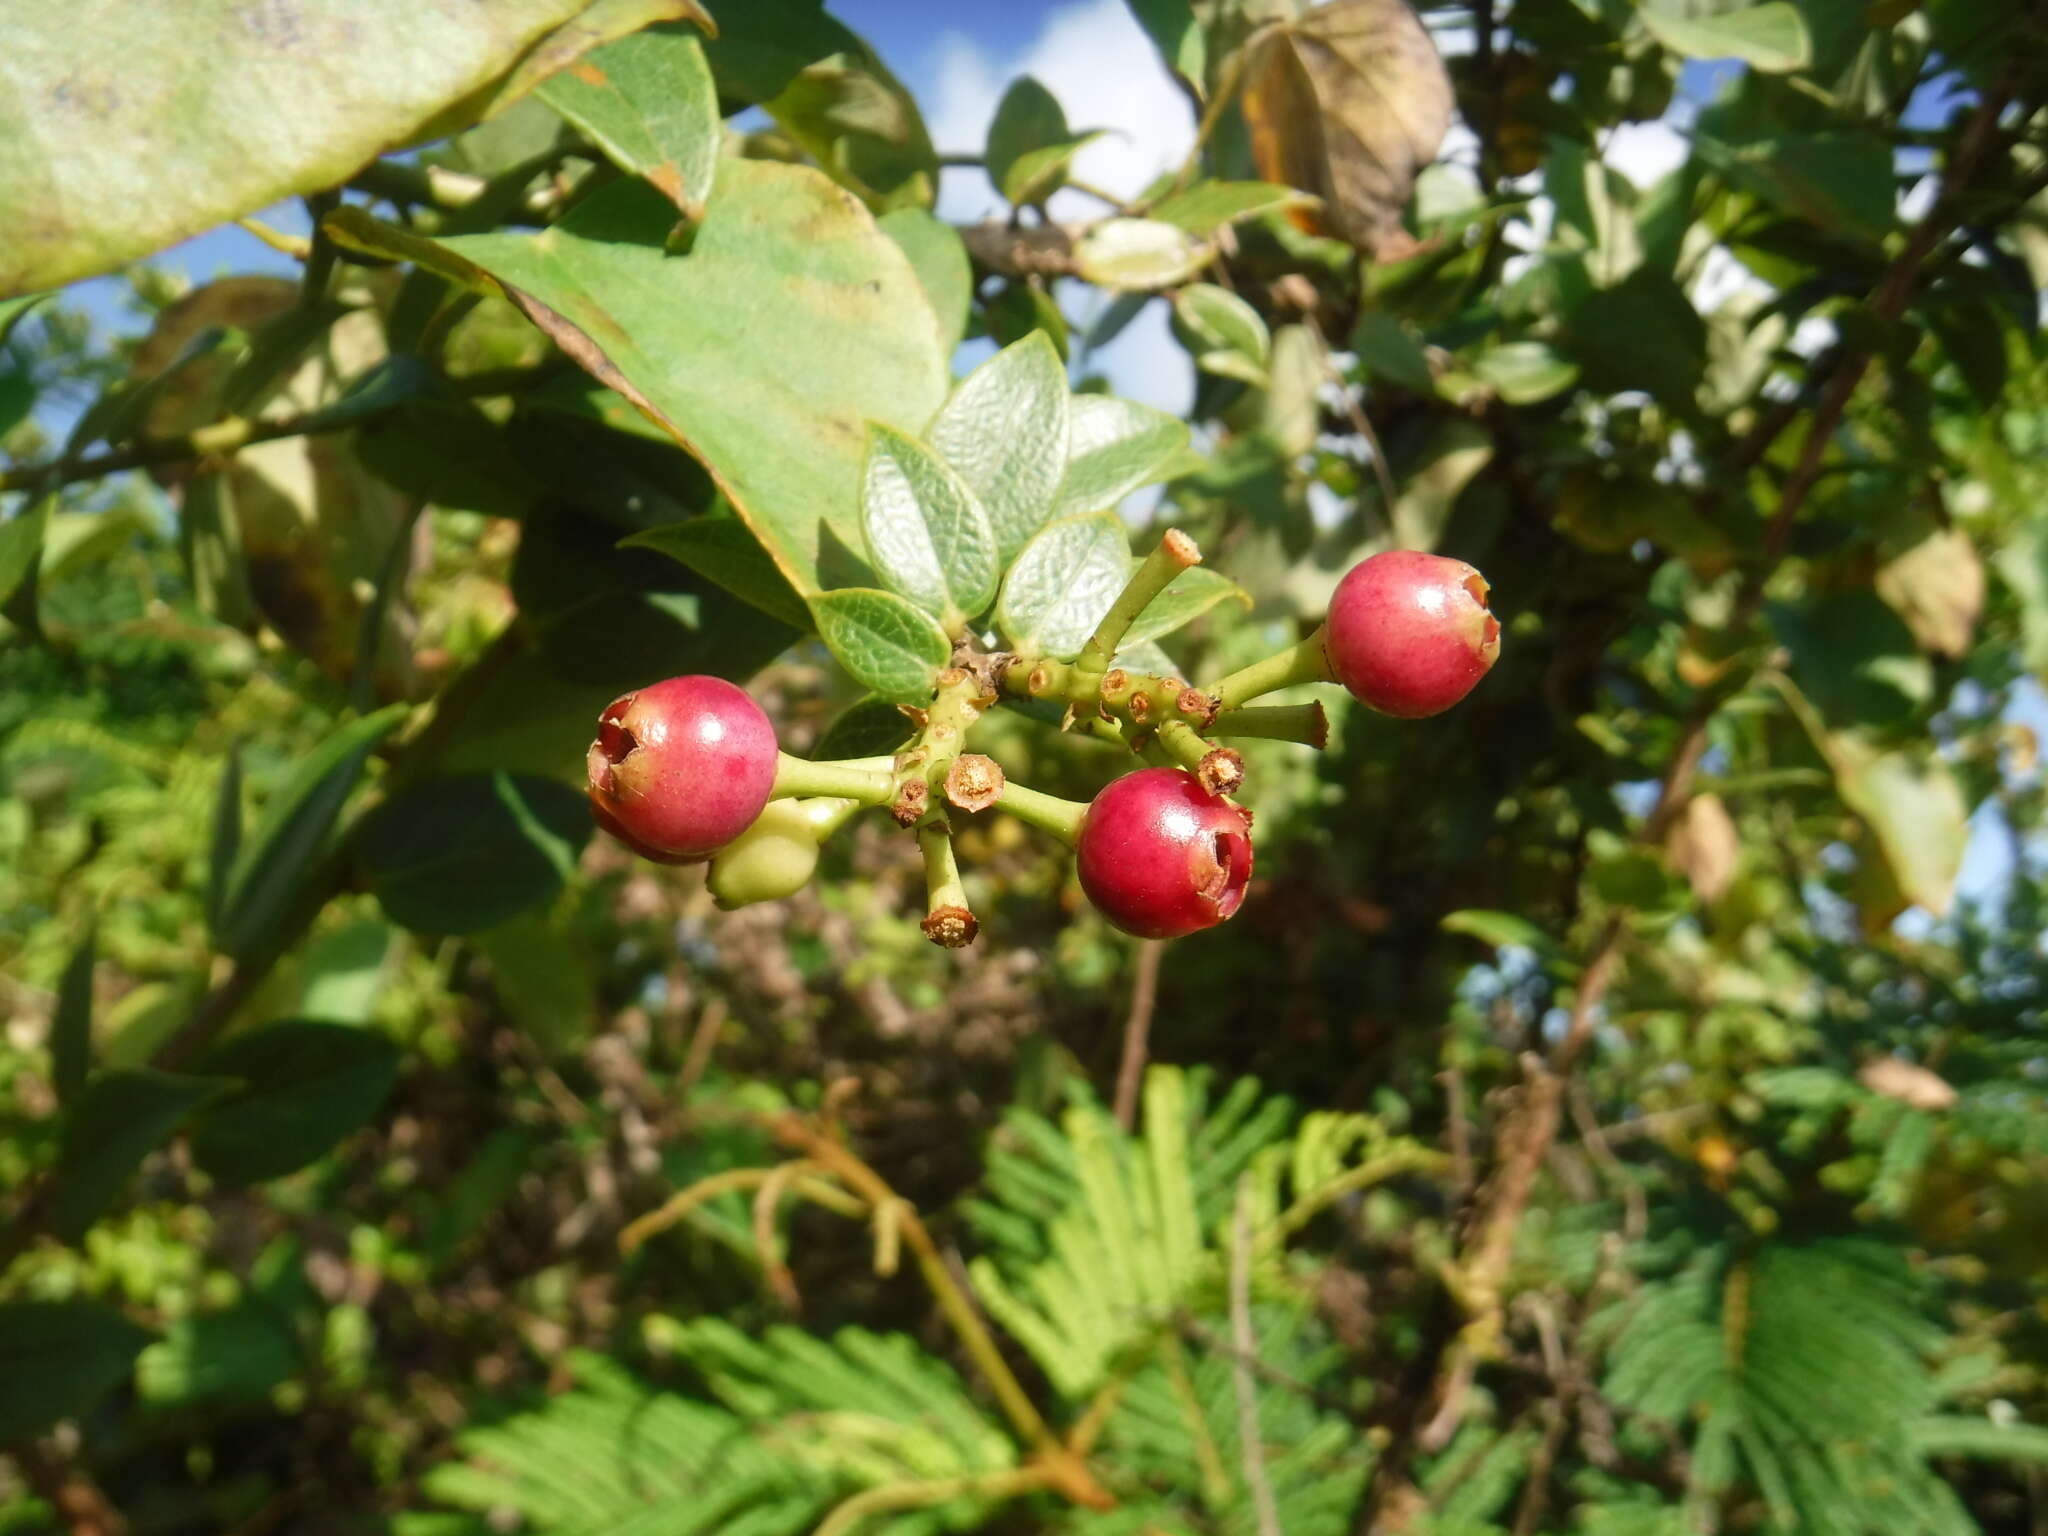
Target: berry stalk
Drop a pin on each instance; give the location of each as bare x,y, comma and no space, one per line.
948,922
1176,552
863,780
1048,813
1302,663
1304,724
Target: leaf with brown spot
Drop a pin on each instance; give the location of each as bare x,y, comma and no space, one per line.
649,103
1704,846
213,108
1349,103
791,323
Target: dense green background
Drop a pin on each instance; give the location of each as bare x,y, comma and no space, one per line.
1602,1118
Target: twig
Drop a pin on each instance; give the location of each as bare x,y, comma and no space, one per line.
1246,1345
1360,422
1460,1132
1137,1031
991,1485
703,1041
229,435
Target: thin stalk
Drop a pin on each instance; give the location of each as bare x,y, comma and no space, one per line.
1176,552
866,780
949,921
1302,663
1049,813
1305,724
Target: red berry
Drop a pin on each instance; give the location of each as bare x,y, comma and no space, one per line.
681,768
1160,856
607,822
1409,633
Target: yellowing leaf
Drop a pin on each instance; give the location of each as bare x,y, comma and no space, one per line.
1937,587
1349,103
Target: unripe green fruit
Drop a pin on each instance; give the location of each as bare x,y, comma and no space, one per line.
773,859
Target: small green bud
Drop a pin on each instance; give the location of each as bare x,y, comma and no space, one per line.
776,856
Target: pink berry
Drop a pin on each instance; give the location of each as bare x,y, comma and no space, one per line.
682,767
1410,633
1160,856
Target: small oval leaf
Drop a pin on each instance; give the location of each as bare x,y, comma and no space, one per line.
888,645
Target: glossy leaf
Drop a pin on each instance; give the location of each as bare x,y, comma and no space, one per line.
71,1023
928,535
21,543
724,549
1114,447
1214,323
1349,102
1139,254
1838,182
1030,148
177,129
888,645
293,832
1526,372
304,1085
936,252
58,1358
1192,593
1208,206
1062,584
458,855
790,324
1771,37
648,102
865,728
119,1120
1004,432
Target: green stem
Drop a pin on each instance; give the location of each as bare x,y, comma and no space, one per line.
941,870
1048,813
827,816
866,780
1176,552
1305,724
1302,663
1182,744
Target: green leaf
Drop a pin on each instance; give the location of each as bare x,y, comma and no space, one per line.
1020,308
648,102
1139,253
1913,805
304,1086
543,979
865,728
224,845
723,549
1192,593
58,1358
858,122
1854,658
1224,333
1388,351
1004,432
1838,182
1452,455
21,543
188,106
458,855
13,311
791,323
928,535
1113,447
1959,1435
1062,584
293,832
1208,206
1770,37
71,1024
227,1359
936,252
1181,39
760,45
1642,333
119,1120
890,647
1526,372
1499,929
1029,148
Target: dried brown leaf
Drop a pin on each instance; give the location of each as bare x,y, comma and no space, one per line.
1349,103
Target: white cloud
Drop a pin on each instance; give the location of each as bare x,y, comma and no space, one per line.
1094,57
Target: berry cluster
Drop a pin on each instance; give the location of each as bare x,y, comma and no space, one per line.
688,770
